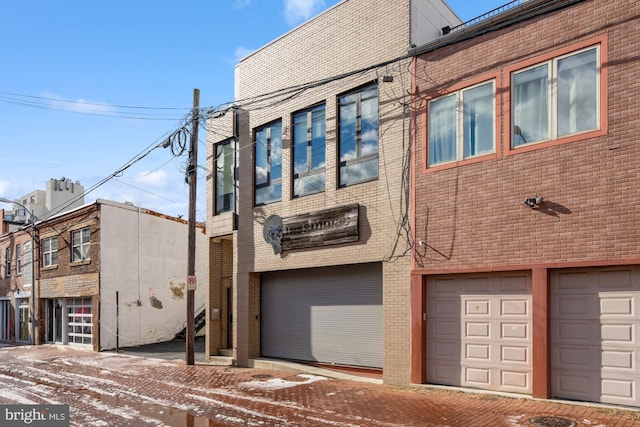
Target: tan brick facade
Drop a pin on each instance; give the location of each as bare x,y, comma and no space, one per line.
352,36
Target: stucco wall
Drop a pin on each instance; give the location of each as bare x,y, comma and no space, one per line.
144,259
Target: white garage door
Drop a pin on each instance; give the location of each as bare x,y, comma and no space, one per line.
328,315
479,331
595,335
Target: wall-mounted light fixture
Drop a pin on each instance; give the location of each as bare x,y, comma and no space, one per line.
532,202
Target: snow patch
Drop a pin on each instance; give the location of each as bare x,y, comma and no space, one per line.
280,383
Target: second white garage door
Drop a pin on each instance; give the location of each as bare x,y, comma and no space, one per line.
479,331
595,334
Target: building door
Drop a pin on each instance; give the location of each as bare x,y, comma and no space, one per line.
595,334
327,315
54,310
23,319
5,320
479,331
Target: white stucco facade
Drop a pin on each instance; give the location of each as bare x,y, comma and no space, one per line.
143,259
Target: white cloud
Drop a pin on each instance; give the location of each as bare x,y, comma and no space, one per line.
4,187
296,11
79,105
241,4
241,52
156,179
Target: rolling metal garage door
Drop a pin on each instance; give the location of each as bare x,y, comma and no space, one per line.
327,315
595,334
479,331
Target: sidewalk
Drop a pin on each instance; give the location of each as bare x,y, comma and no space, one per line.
109,389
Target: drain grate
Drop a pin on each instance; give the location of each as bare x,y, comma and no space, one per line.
547,421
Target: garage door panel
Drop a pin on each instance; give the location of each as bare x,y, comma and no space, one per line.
617,334
612,280
574,332
478,377
515,284
516,307
594,344
476,307
477,285
327,315
490,333
573,358
618,360
475,330
444,372
511,354
576,307
478,351
446,308
616,306
518,331
618,390
515,381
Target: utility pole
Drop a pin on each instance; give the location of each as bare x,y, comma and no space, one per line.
192,172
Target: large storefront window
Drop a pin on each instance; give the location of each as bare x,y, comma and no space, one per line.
79,321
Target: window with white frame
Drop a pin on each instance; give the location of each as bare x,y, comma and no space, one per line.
225,176
309,151
8,256
79,321
18,259
80,244
358,133
556,98
268,163
50,251
462,124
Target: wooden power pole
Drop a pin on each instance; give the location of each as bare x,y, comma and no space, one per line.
192,172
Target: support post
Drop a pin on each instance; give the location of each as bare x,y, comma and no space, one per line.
191,260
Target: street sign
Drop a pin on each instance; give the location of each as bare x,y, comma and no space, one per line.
192,283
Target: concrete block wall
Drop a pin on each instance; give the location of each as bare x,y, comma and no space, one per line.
471,216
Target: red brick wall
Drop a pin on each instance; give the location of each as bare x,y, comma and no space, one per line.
471,216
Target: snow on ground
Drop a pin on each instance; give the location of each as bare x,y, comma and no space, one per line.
279,383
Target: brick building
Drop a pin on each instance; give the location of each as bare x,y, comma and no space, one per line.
308,205
526,270
107,274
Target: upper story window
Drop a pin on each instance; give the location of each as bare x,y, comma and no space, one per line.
50,251
462,124
268,163
225,176
358,133
557,98
8,256
309,151
18,259
80,244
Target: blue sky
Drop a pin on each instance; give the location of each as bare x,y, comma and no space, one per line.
87,86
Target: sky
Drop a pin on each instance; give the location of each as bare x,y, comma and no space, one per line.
89,88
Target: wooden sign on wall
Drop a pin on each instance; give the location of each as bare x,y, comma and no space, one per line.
321,228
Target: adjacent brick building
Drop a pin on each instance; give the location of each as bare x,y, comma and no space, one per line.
308,207
106,274
526,269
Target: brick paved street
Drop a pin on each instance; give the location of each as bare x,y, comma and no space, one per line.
108,389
